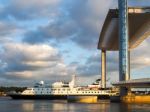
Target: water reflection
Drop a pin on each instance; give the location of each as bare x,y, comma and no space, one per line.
58,106
28,106
63,106
9,105
119,107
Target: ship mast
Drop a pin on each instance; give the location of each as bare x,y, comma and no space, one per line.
72,82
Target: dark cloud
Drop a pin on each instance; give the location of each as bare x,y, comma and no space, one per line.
58,30
89,70
34,37
86,40
89,16
92,66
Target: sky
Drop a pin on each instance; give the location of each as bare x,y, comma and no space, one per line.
52,40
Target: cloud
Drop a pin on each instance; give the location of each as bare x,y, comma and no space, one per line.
139,3
26,10
80,22
92,66
8,31
139,59
5,28
91,69
89,16
24,61
57,30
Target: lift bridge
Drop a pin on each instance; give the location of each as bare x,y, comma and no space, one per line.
123,30
142,83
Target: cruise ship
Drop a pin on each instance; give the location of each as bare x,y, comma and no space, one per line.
60,90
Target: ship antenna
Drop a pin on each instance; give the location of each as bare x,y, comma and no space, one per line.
72,82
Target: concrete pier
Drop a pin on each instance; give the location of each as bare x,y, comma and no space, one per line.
103,69
131,98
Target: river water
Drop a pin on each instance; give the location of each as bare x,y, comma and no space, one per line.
9,105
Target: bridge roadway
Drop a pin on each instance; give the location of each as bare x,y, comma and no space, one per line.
139,28
145,82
